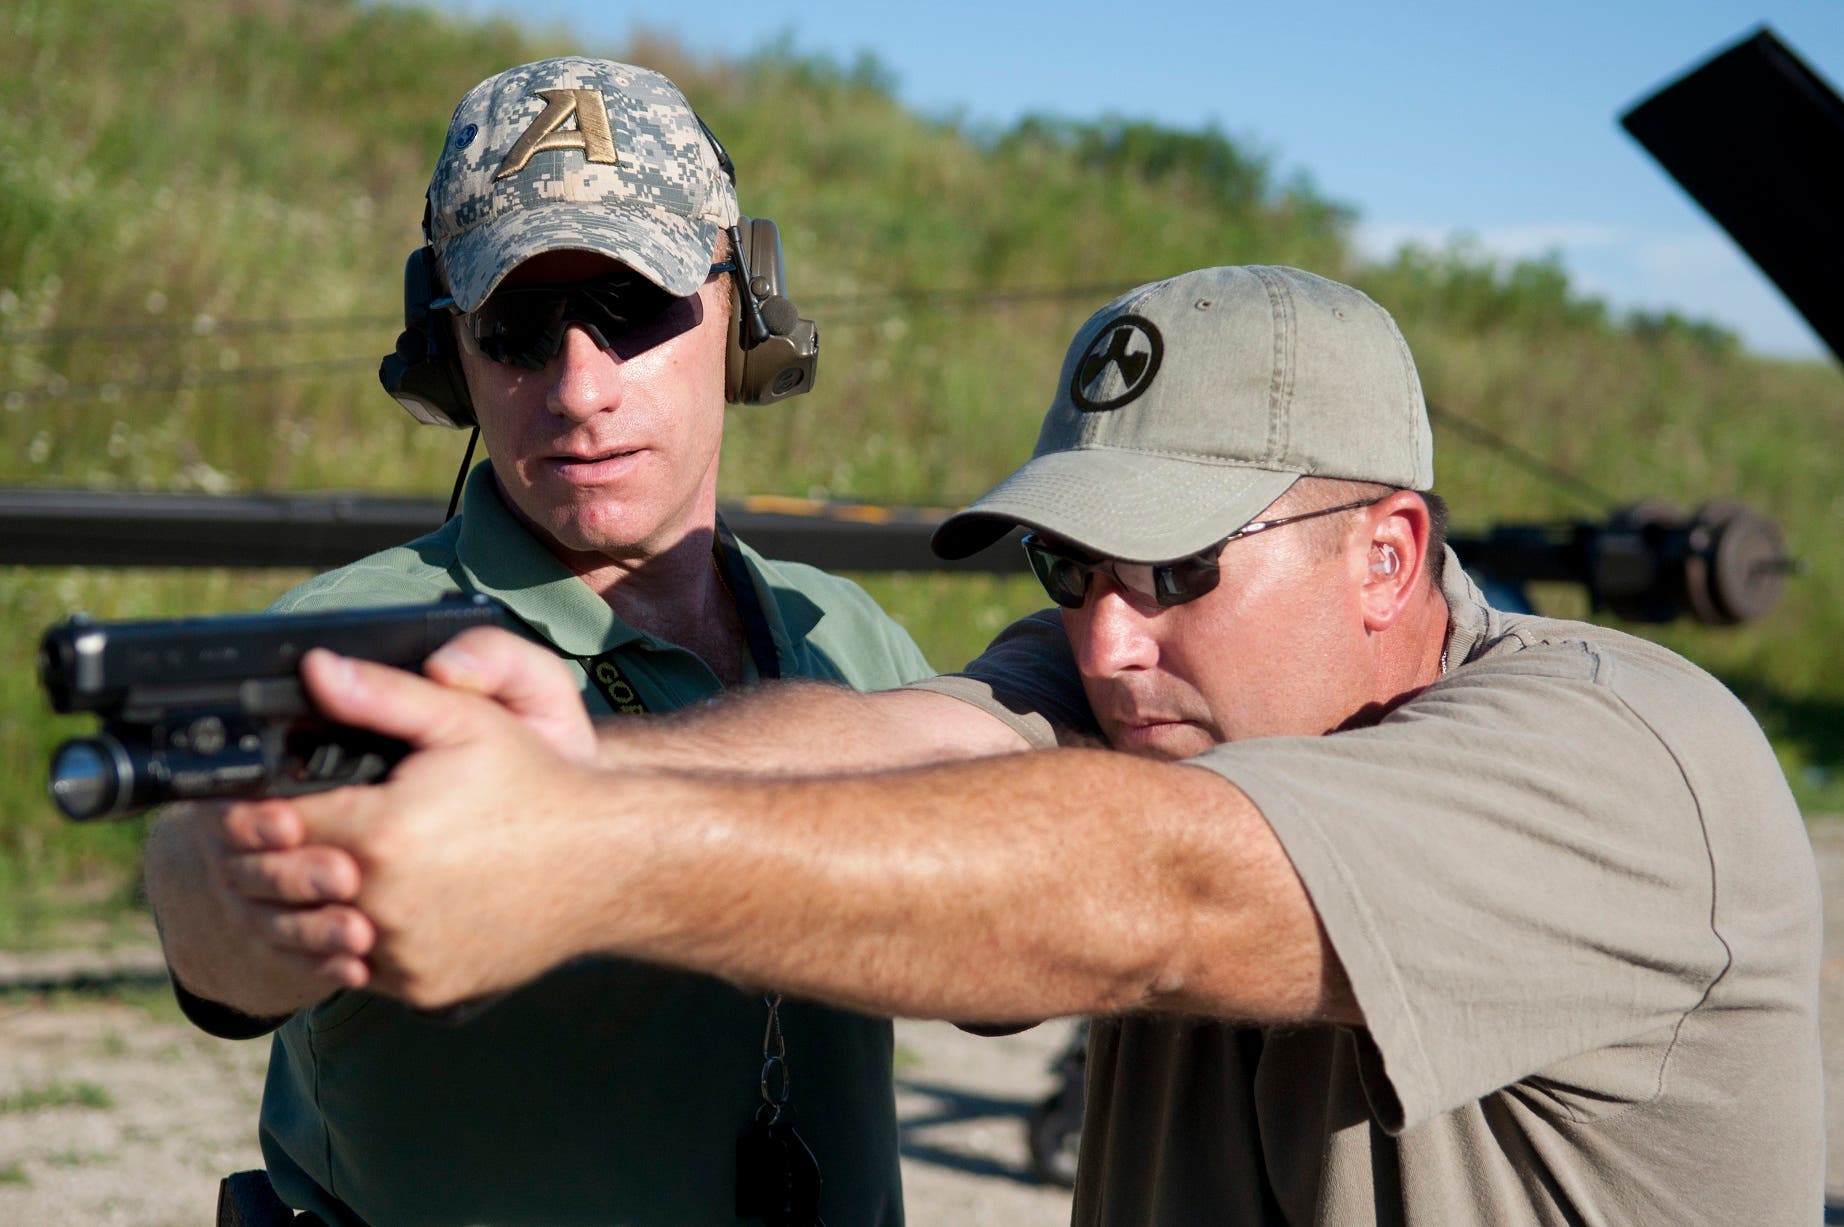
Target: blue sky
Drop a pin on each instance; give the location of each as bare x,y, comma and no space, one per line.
1497,122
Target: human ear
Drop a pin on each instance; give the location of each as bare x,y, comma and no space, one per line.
1396,548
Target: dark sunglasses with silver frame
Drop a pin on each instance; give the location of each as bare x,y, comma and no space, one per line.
524,325
1065,572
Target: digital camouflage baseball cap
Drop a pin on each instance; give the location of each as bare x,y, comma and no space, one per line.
576,154
1186,406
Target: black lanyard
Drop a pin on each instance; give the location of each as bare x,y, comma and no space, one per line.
624,697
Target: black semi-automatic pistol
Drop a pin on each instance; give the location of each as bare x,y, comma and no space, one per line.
196,708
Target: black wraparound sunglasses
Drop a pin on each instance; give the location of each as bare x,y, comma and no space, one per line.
524,325
1065,572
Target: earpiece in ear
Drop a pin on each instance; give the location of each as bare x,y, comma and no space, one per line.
1385,563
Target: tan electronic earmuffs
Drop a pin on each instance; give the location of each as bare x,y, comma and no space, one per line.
424,372
773,352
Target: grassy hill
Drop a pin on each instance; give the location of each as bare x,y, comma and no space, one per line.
204,215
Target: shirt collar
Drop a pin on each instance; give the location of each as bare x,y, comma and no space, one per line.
790,621
503,558
1468,616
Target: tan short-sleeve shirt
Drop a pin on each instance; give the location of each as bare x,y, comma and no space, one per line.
1578,909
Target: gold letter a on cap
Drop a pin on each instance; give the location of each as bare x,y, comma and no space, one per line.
591,134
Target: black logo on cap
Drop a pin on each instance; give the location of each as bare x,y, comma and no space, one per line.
1130,346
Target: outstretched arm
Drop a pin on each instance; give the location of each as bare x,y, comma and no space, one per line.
1010,887
792,728
256,918
797,729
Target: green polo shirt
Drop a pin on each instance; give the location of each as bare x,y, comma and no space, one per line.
608,1091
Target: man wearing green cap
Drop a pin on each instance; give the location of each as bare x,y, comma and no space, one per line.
581,298
1396,909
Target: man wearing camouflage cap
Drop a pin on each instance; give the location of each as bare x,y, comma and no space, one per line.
576,299
1397,908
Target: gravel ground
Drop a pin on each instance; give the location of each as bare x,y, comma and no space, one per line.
114,1111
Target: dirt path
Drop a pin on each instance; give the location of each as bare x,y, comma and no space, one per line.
114,1111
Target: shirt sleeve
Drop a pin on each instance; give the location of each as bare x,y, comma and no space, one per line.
1027,678
217,1019
1512,870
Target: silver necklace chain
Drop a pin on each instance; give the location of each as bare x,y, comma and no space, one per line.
774,1063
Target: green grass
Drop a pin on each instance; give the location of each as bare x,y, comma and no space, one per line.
952,617
57,876
13,1173
57,1095
154,1001
265,161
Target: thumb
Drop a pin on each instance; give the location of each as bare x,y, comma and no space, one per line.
390,701
529,681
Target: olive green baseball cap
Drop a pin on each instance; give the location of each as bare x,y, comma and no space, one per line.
576,154
1186,406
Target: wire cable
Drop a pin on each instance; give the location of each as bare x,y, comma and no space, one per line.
969,298
966,297
16,398
1530,463
204,326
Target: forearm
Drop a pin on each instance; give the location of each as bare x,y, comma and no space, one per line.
802,728
1019,887
1007,887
